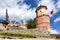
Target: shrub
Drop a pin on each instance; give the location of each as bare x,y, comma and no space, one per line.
18,35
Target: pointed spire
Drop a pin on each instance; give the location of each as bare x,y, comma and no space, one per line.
7,17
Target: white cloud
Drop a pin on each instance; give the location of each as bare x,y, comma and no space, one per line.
57,19
58,4
18,12
54,31
15,11
50,5
8,3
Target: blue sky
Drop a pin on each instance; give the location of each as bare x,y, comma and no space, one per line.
25,9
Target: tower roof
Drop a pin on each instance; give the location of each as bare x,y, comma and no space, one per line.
41,6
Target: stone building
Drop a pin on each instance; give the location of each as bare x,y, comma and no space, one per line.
42,19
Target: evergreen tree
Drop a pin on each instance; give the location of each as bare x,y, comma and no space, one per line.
31,24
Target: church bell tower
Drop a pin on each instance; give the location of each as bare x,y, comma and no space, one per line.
42,19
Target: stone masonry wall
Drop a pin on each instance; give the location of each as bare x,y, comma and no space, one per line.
38,32
43,22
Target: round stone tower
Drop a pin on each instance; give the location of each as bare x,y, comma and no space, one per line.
42,19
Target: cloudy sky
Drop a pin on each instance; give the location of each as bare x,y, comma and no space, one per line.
25,9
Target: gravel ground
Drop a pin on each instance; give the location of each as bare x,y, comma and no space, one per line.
31,39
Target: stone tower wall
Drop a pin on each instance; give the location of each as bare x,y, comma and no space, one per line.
43,22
